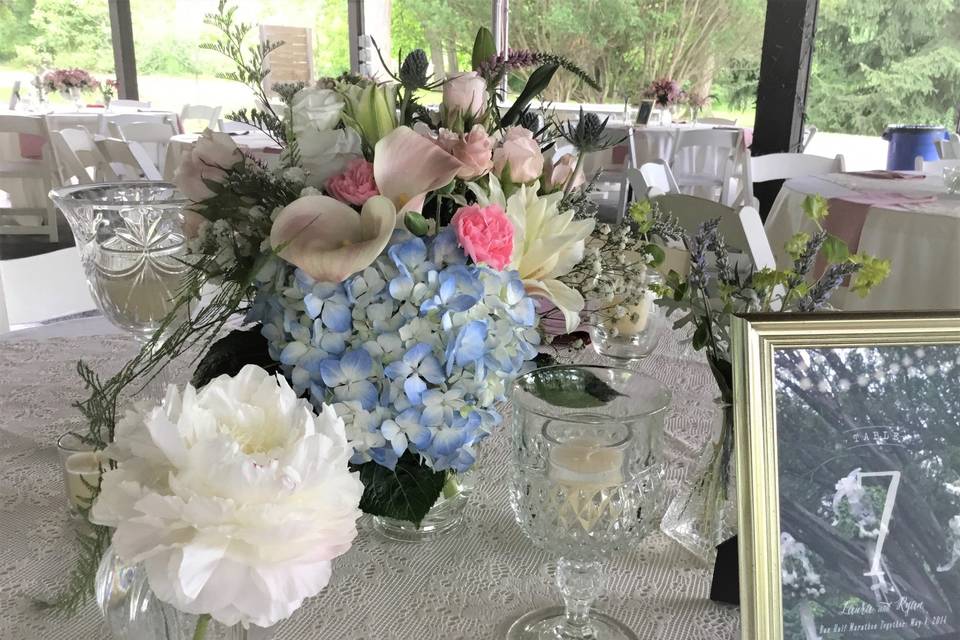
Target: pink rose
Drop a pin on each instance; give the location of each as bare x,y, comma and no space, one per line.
465,93
355,185
485,233
561,171
473,149
522,153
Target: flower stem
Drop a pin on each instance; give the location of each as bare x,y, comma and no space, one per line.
201,631
573,176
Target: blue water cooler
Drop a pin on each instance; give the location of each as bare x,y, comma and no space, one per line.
907,141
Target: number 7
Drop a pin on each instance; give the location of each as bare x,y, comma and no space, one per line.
884,518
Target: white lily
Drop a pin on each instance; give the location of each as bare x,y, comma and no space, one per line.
547,243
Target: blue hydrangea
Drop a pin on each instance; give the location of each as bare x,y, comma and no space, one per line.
413,352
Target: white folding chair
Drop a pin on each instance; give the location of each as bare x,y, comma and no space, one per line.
740,227
650,180
703,161
38,169
720,122
128,159
949,149
208,115
60,121
130,104
43,287
14,95
783,166
934,166
79,160
153,136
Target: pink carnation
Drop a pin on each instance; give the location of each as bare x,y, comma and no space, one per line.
485,233
355,185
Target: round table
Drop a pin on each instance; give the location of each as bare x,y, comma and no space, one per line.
255,144
467,585
912,222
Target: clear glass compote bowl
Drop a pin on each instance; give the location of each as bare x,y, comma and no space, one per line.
587,480
132,246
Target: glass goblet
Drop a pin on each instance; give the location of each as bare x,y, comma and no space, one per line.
587,480
132,246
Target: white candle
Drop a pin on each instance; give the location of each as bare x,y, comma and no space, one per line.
585,468
635,320
81,468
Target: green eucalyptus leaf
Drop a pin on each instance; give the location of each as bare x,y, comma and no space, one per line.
484,47
404,493
536,83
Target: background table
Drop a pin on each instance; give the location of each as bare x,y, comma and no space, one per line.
921,240
463,586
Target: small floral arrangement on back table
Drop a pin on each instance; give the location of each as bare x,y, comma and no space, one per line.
665,92
65,80
388,264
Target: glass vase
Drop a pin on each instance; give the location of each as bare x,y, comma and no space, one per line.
704,512
635,334
445,515
133,612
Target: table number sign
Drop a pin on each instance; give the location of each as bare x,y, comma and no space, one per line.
848,447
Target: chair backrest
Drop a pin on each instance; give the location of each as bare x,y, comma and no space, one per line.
43,287
22,123
783,166
934,166
691,212
58,121
128,159
727,122
657,175
14,95
79,160
949,149
703,157
209,115
293,60
153,136
134,104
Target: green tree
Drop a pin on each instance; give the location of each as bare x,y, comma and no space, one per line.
883,61
69,33
15,27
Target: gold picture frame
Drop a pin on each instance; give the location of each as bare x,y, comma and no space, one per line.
755,340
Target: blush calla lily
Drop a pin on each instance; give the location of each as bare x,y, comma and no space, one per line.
328,239
407,166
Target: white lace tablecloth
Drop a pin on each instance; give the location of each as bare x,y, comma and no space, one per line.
468,585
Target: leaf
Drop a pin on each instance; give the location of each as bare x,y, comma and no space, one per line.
701,336
657,255
573,388
536,83
835,250
405,493
484,47
229,354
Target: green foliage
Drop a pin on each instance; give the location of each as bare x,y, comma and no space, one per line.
231,353
484,48
69,33
405,493
881,62
15,26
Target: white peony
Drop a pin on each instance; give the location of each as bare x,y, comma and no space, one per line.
235,497
547,243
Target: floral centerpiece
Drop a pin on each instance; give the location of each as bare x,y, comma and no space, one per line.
703,515
108,89
388,265
665,92
696,102
69,82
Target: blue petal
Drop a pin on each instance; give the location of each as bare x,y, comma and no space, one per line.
363,391
462,302
337,317
433,415
446,250
356,364
416,353
325,290
331,372
419,435
397,369
334,343
414,387
302,280
385,457
401,287
470,342
431,370
446,440
292,353
313,305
